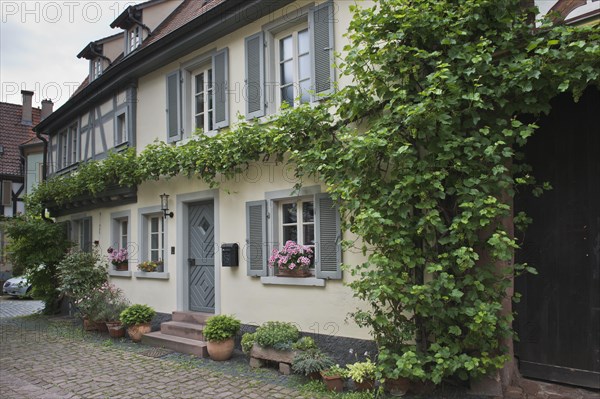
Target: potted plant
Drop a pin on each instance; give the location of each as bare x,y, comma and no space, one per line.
137,319
219,333
111,311
151,266
118,258
311,362
293,260
333,377
363,374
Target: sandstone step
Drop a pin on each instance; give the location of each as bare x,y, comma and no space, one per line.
183,329
178,344
191,317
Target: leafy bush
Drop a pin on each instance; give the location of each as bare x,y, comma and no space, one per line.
248,341
311,361
277,334
221,327
35,248
81,272
137,314
304,343
104,303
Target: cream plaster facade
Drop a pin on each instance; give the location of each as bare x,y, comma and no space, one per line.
319,309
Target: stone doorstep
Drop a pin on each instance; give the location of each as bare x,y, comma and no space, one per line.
191,317
183,329
178,344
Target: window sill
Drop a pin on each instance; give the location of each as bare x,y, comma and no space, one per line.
114,273
152,275
299,281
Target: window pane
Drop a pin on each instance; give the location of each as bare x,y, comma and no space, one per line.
153,256
200,122
290,233
289,213
199,103
154,225
154,241
303,41
286,73
304,67
200,83
309,234
287,95
308,212
285,48
210,81
304,91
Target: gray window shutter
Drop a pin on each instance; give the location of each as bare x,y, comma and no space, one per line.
328,250
86,225
220,79
256,241
6,193
173,104
255,76
320,23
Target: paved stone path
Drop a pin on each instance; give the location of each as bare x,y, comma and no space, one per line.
41,360
38,363
13,307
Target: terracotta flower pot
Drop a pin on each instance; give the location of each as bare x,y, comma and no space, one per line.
220,350
365,385
397,386
136,331
121,266
333,383
115,329
101,326
88,325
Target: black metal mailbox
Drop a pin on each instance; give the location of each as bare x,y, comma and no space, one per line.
229,255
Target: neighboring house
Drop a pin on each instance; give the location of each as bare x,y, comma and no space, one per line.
181,67
21,157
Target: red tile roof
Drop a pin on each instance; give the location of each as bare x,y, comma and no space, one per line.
13,134
186,12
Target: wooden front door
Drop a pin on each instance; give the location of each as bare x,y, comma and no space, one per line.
201,260
558,318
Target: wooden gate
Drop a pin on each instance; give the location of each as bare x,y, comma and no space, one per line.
558,318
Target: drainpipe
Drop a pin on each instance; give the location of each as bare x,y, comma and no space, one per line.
99,55
137,21
44,168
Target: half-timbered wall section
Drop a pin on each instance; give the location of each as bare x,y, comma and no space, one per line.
106,126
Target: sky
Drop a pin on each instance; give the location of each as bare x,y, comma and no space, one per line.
40,40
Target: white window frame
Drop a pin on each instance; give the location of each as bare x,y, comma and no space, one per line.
292,32
134,38
97,68
208,110
160,233
122,239
299,224
121,130
145,216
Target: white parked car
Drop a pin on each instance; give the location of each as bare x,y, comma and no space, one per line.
17,286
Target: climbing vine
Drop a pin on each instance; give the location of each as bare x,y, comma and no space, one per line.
421,153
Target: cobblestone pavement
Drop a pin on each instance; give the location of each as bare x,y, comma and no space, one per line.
13,307
40,363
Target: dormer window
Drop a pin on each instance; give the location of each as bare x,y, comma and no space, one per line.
134,38
96,68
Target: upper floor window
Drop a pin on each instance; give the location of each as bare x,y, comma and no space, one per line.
121,131
197,96
96,68
296,54
293,74
68,146
134,38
